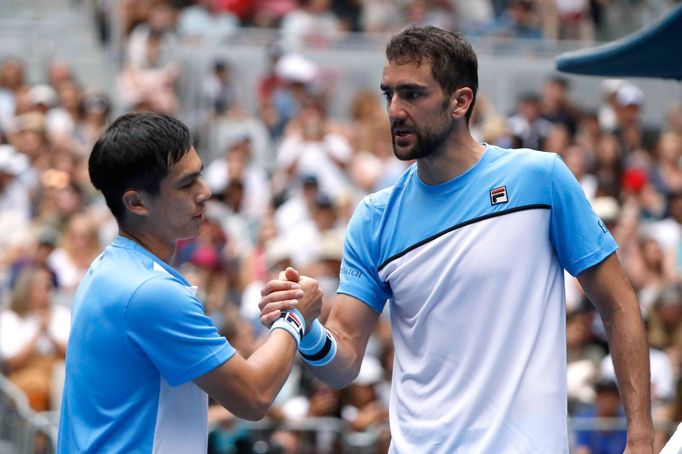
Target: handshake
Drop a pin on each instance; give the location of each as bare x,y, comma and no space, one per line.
293,303
290,292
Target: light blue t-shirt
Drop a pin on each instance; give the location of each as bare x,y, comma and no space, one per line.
139,337
473,272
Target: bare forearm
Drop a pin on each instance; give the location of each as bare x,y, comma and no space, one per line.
345,366
608,289
630,355
247,388
272,363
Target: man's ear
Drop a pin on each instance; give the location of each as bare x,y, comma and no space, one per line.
134,202
460,100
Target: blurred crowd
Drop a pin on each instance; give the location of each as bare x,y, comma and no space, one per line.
285,180
318,22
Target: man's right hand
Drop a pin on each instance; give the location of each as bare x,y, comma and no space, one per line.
290,291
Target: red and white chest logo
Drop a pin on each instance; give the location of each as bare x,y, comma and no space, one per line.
498,195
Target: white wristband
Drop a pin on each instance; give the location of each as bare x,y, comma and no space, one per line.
293,322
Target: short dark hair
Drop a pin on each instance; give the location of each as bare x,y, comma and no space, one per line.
135,152
453,60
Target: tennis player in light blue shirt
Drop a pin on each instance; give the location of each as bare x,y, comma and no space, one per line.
143,357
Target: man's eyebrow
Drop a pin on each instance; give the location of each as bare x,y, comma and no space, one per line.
405,86
191,176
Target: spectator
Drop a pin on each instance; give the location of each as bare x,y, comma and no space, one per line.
33,336
78,247
632,135
425,12
607,405
15,207
220,90
149,79
160,20
12,83
237,164
297,74
313,24
315,148
607,166
519,20
527,126
665,323
555,105
201,22
96,109
381,16
665,172
583,358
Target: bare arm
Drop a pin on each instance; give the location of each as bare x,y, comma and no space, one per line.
247,387
607,287
351,322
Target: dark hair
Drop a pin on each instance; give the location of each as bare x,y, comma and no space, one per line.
135,152
453,60
606,386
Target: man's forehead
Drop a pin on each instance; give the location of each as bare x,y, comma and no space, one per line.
189,163
404,72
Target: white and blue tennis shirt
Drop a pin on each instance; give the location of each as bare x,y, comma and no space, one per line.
139,338
473,270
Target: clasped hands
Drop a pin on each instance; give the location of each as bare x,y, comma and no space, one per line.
290,291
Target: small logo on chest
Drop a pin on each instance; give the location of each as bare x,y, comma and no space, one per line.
498,195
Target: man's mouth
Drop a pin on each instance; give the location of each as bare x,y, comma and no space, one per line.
402,134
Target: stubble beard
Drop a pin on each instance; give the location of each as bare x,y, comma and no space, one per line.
426,143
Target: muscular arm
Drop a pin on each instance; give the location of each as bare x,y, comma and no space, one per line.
247,388
607,287
351,322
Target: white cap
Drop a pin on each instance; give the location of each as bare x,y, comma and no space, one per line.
42,94
11,161
629,94
331,246
296,68
610,86
607,208
276,250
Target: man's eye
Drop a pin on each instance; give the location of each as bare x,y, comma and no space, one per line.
412,95
387,95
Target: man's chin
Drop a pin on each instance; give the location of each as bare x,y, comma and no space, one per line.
403,153
190,234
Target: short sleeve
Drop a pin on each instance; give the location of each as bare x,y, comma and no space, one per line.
166,322
580,238
359,275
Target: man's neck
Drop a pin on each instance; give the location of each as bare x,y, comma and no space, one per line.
460,155
150,242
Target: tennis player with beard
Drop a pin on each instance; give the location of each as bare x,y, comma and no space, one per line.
469,249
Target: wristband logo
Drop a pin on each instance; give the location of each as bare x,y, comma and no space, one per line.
295,322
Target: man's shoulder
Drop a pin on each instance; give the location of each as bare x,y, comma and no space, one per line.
379,199
522,163
124,270
522,156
